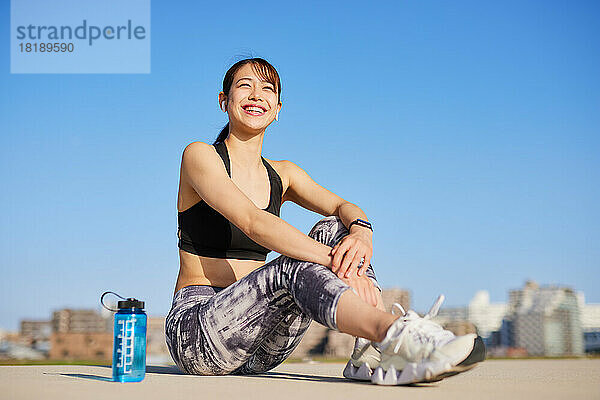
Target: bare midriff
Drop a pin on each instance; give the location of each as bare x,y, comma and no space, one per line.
220,272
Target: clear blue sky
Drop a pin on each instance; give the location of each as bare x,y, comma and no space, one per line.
467,131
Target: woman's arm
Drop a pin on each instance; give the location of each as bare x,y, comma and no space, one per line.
349,251
203,168
348,212
276,234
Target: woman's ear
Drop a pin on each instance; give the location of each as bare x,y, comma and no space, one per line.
278,110
222,99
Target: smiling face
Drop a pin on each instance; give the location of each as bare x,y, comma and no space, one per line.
252,102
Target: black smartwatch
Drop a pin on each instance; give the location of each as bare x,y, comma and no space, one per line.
361,222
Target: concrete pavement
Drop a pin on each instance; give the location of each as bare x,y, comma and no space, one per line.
493,379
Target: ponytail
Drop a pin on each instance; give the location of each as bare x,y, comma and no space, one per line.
223,135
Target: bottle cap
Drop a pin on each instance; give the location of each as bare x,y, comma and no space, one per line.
130,303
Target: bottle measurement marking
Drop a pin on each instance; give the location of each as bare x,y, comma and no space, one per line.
126,335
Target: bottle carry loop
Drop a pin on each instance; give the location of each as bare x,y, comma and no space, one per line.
104,294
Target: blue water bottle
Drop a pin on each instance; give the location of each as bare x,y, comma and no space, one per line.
129,343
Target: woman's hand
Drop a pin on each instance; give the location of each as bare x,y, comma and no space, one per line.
363,287
349,251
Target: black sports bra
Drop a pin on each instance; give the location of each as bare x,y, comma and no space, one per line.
206,232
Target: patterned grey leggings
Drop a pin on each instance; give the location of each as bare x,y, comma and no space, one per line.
254,324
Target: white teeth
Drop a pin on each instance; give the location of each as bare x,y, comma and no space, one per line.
255,109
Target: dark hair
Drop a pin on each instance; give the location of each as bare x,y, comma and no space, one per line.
263,69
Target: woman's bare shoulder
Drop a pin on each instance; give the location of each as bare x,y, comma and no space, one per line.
199,152
197,146
280,166
285,169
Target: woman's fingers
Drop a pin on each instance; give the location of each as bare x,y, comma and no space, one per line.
340,250
353,264
370,296
374,295
371,299
348,258
361,288
364,288
351,260
365,266
367,294
340,255
334,249
364,296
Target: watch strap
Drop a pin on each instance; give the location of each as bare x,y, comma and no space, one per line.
361,222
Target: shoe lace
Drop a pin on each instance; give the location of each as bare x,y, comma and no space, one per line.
399,306
435,308
422,329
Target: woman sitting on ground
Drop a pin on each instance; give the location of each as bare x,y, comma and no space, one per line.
232,313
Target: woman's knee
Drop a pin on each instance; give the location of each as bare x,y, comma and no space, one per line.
328,230
370,273
278,345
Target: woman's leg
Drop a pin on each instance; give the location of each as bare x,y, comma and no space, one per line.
329,231
281,342
278,344
269,309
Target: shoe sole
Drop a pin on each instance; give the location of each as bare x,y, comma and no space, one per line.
451,372
429,371
477,355
411,373
362,373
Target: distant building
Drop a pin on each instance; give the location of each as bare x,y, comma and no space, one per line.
81,345
87,335
13,350
460,328
485,316
539,321
80,334
546,321
505,336
36,330
36,334
156,345
80,321
590,324
452,314
592,342
13,346
395,295
590,317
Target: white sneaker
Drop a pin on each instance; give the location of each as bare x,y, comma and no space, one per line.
365,357
416,349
